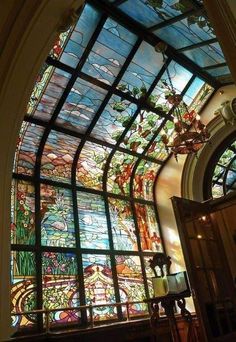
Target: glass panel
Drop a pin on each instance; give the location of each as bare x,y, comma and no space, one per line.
60,43
131,283
206,55
123,228
186,32
219,71
91,165
144,179
157,150
49,87
92,221
149,274
148,228
22,213
80,36
149,13
27,147
142,71
58,154
109,52
81,106
99,288
141,131
197,94
23,288
119,173
57,221
60,287
114,119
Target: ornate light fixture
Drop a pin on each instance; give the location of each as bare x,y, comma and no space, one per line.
190,134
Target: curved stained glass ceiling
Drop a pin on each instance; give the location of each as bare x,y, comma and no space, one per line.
184,26
84,218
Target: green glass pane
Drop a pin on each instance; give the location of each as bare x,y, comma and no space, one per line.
144,179
60,287
119,173
23,288
22,213
57,219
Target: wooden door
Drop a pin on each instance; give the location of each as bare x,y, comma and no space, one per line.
208,270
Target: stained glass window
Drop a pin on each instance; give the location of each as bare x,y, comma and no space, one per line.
84,217
221,176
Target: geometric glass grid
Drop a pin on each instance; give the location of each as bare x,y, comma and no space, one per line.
221,175
83,206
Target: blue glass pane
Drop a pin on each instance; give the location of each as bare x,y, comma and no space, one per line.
123,227
221,71
48,89
81,106
109,53
58,155
184,33
141,131
143,68
80,36
92,221
140,12
113,121
206,55
57,219
149,12
197,94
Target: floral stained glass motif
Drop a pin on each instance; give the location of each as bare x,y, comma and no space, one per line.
91,165
157,149
148,228
119,173
141,131
60,286
22,213
23,288
114,119
144,179
92,221
58,155
80,36
57,222
142,70
99,288
122,223
131,285
27,147
80,106
47,92
109,53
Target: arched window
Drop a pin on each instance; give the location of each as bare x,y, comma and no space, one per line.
84,216
220,177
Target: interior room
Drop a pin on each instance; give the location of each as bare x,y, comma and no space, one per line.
118,170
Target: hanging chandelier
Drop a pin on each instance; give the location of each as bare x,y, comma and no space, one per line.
190,134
